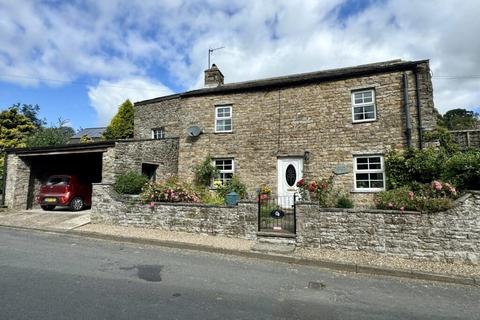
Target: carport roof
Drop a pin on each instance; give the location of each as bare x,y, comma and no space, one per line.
64,149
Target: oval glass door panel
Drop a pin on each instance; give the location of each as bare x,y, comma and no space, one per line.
291,175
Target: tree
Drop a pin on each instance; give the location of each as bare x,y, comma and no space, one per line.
461,119
121,126
15,126
31,112
53,136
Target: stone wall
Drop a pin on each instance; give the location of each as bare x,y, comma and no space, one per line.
129,155
287,121
17,184
451,236
467,138
112,208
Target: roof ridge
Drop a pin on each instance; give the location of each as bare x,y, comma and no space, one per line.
321,75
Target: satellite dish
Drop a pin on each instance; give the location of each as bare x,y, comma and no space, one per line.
194,131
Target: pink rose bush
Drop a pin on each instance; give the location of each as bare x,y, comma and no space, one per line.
170,190
433,197
320,190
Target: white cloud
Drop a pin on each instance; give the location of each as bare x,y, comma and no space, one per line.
121,39
107,96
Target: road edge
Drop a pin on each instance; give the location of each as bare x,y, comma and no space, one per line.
338,266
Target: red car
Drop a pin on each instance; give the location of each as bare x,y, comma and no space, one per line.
65,191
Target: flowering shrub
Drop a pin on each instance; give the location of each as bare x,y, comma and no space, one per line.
211,197
433,197
169,191
233,184
320,190
264,189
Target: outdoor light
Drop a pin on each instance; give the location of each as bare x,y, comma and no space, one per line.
306,155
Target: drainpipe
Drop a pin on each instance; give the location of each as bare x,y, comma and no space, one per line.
419,109
408,123
4,182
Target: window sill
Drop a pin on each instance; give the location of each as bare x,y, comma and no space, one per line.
364,121
367,191
223,132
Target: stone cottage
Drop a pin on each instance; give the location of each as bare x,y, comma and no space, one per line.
273,131
276,131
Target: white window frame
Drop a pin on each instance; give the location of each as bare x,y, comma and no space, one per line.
232,171
217,118
363,105
158,133
368,171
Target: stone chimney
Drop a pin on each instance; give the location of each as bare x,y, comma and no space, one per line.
213,77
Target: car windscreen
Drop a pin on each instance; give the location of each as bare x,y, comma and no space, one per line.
58,180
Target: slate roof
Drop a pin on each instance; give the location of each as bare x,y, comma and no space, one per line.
295,79
91,132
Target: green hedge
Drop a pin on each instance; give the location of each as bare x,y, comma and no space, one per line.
462,168
130,182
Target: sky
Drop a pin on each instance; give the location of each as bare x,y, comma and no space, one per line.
78,60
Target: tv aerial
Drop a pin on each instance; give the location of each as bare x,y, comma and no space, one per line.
210,51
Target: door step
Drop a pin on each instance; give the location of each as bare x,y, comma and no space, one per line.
275,243
273,248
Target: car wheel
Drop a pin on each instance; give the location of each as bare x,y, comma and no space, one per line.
48,208
76,204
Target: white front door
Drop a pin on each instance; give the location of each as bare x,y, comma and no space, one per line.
290,171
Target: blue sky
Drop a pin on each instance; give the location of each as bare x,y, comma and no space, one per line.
79,60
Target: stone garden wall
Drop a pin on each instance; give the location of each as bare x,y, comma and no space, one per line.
467,138
451,236
112,208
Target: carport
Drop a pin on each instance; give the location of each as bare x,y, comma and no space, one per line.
26,169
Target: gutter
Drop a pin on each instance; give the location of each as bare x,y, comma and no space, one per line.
419,109
408,123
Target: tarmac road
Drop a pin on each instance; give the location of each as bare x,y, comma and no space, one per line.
51,276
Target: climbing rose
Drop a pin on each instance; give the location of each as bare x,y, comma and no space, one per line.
437,185
390,205
402,209
312,186
301,183
410,195
324,185
264,196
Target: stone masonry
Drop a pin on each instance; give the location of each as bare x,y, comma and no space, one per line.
112,208
129,155
450,236
18,179
22,185
288,120
467,138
